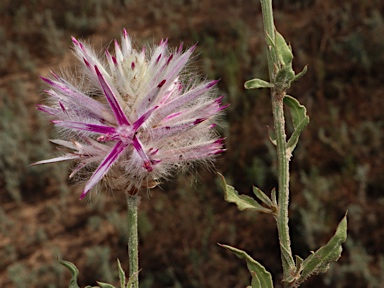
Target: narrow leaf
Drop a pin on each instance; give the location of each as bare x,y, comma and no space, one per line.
105,285
319,261
74,271
300,119
261,278
273,197
299,264
262,196
301,74
257,83
121,274
243,202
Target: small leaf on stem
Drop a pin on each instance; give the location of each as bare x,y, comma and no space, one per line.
273,197
319,261
121,274
105,285
300,119
257,83
301,74
262,197
261,278
243,202
74,271
283,50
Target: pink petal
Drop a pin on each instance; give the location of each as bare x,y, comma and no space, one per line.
112,100
101,129
139,148
57,159
184,99
104,167
170,130
143,118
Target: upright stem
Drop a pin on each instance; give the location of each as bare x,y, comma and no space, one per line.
283,181
282,157
133,242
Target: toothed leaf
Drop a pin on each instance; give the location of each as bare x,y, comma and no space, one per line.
319,261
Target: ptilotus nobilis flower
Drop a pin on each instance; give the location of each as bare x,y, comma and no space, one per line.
134,117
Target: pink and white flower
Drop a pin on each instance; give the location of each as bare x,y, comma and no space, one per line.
136,116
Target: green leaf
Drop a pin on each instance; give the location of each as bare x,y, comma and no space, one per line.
301,74
299,264
257,83
121,274
262,196
300,119
319,261
105,285
261,278
283,50
273,197
243,202
74,271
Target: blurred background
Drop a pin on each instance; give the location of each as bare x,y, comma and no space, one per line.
337,166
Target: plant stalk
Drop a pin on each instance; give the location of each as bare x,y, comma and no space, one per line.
282,155
133,240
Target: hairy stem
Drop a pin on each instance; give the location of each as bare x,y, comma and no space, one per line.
282,157
133,242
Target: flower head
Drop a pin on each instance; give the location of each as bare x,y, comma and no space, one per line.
136,117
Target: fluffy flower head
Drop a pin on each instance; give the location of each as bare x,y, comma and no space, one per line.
136,117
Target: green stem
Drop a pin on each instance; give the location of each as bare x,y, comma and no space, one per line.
283,182
133,242
282,157
269,28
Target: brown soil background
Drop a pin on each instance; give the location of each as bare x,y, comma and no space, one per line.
338,165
